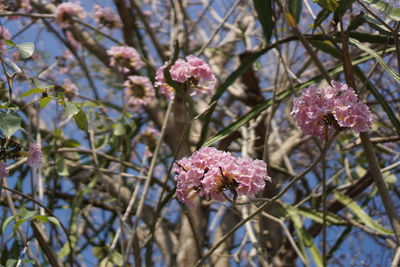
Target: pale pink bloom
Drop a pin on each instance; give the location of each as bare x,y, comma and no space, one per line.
106,17
3,170
319,112
209,172
4,36
35,156
124,58
138,92
193,72
70,89
165,88
66,10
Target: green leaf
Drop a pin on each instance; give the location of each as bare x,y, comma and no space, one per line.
376,25
331,218
330,5
9,123
70,143
356,22
38,83
25,49
61,167
33,91
81,120
387,9
9,43
46,219
321,16
117,258
54,220
100,252
343,6
265,15
42,218
119,129
6,223
44,101
305,238
11,262
70,108
26,214
295,7
361,214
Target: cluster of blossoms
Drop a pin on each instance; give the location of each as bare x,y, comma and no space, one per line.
34,160
319,112
35,156
209,172
138,91
193,72
124,58
106,17
4,36
66,10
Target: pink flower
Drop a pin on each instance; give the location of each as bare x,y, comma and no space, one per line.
124,57
35,156
138,91
70,89
3,170
320,112
106,17
4,36
193,71
209,172
66,10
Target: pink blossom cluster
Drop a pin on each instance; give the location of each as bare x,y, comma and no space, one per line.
209,172
193,72
106,17
35,155
66,10
139,91
319,112
4,36
70,89
124,57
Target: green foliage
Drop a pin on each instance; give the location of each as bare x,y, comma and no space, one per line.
9,123
265,16
81,120
330,5
295,7
107,259
387,9
25,49
305,239
33,91
362,215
